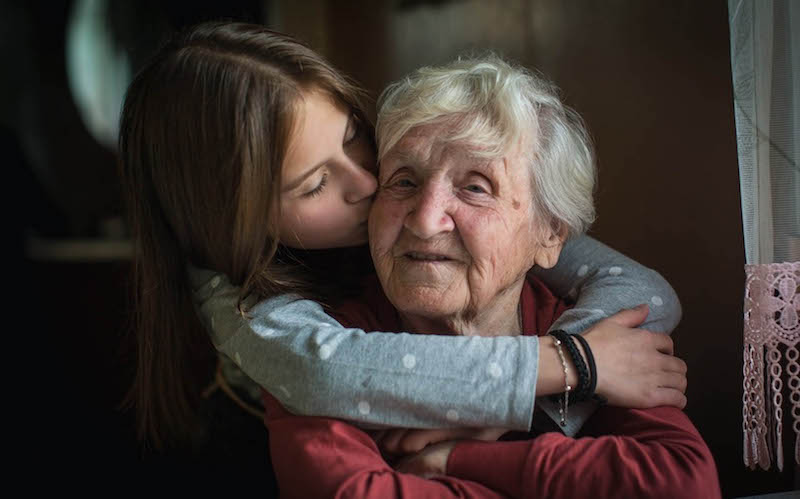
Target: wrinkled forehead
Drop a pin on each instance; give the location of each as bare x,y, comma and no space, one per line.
428,142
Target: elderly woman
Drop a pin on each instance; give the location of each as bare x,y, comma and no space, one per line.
479,164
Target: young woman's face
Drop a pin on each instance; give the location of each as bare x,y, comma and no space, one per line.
328,177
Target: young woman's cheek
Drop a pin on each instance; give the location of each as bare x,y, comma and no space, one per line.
326,222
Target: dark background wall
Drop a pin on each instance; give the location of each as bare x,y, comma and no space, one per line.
652,79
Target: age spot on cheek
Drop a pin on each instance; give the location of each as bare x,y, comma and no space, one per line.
515,204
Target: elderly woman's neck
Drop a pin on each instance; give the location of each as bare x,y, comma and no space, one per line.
500,317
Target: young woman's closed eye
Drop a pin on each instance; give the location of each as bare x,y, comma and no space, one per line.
328,179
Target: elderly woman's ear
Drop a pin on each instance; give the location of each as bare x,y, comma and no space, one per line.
551,241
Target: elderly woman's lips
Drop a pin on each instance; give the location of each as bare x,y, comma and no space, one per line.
428,257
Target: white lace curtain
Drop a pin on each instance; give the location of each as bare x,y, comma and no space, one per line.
765,62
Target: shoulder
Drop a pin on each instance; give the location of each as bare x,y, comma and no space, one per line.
539,300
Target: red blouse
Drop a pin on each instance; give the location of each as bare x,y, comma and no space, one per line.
620,452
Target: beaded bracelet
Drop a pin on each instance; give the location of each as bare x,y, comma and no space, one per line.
565,401
582,390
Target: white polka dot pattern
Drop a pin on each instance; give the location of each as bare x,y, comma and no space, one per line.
615,270
657,301
583,270
363,407
215,282
495,370
452,415
325,351
409,361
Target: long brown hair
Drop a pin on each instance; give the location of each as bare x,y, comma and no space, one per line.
203,135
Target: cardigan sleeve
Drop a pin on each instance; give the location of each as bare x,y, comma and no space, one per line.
623,453
603,281
315,366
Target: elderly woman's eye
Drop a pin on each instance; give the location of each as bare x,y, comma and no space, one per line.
402,183
476,189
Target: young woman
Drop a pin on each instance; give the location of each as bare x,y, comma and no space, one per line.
249,168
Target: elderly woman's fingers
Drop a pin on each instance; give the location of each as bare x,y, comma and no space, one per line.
408,441
416,440
391,439
377,435
430,462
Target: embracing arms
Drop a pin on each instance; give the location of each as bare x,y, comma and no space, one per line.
316,367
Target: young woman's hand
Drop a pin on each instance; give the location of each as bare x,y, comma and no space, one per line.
636,368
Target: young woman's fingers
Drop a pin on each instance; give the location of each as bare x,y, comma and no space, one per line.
663,343
669,397
631,317
674,364
676,381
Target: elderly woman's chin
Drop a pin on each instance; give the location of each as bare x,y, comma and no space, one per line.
425,298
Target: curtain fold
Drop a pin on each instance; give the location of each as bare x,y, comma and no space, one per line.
765,63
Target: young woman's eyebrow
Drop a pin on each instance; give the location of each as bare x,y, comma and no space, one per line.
302,178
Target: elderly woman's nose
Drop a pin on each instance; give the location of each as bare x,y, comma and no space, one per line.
429,213
360,184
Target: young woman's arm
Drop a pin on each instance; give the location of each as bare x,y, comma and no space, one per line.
603,281
314,366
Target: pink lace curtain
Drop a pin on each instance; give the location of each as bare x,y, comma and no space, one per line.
771,367
765,61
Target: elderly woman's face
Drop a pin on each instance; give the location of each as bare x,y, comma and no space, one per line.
450,232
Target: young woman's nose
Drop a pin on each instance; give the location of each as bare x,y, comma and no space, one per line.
361,184
429,213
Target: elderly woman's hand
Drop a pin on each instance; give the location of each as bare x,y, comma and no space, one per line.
429,462
636,368
404,441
